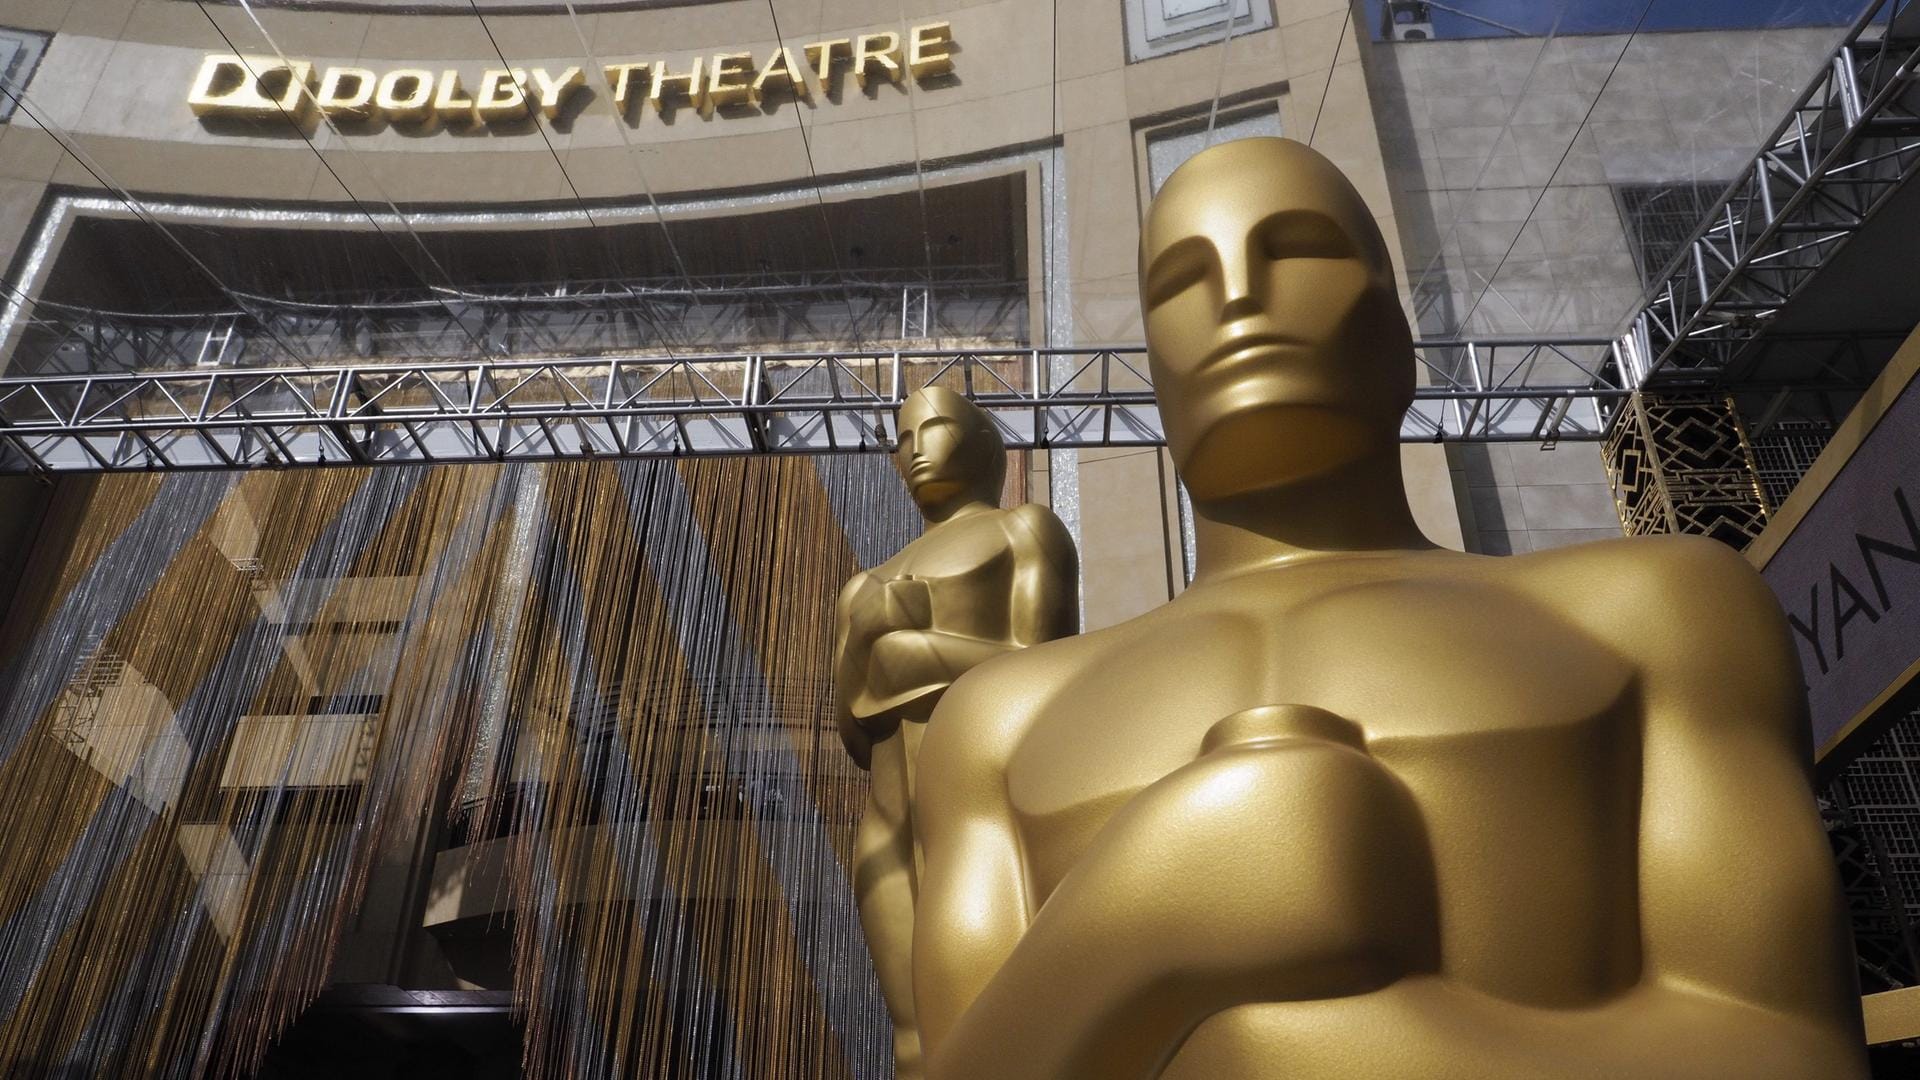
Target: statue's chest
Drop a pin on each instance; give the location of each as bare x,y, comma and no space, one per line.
1451,682
967,550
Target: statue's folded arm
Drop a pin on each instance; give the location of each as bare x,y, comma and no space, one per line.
1283,870
1732,856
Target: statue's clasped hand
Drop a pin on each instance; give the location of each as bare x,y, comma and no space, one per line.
909,604
1268,725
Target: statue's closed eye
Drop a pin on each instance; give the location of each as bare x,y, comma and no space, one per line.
1290,234
1303,234
1178,268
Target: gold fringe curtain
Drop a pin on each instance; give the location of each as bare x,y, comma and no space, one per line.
224,695
218,715
685,811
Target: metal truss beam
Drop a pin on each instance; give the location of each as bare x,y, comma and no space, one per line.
587,407
1849,143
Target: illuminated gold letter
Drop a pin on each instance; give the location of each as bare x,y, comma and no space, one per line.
781,70
555,92
221,79
450,103
502,95
930,50
621,78
727,80
882,49
692,84
405,94
822,54
347,91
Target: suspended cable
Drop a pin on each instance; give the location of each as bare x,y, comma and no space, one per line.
813,174
626,142
72,147
1333,65
1417,288
912,85
1571,143
292,122
1219,73
612,247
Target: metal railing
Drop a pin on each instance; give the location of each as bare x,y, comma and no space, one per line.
588,386
1850,141
640,406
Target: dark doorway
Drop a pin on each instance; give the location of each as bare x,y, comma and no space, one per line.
384,1033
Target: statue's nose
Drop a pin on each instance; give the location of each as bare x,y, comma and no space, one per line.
1240,285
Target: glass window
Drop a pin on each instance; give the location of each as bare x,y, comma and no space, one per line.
1159,27
1169,147
19,52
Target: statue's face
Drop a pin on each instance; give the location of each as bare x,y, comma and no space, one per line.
926,454
940,453
1278,347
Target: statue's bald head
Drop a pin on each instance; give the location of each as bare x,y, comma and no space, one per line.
1277,342
949,448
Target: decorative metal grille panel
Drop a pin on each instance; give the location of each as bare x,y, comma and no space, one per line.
1873,818
1158,27
1785,453
19,54
1681,464
717,312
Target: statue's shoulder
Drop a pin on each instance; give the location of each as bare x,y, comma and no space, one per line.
1041,523
1642,587
1646,560
1036,516
854,584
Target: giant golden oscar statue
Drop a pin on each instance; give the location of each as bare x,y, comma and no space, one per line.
980,582
1353,806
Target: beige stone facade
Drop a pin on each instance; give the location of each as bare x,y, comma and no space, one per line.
1040,89
1494,168
1492,165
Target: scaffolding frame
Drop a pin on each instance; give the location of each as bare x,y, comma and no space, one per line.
1851,140
434,386
654,406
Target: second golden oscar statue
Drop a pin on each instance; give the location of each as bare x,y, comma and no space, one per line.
980,583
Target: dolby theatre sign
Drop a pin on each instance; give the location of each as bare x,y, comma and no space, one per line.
246,87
